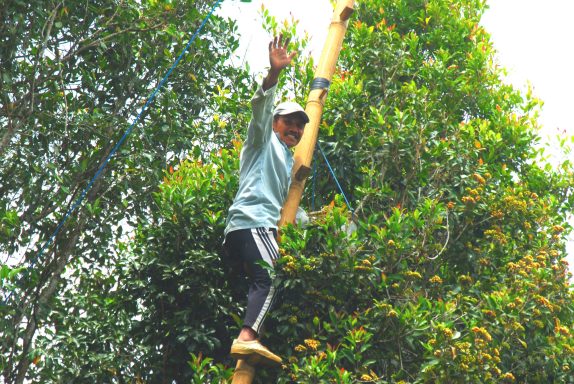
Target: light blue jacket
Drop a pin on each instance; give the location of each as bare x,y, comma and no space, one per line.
264,171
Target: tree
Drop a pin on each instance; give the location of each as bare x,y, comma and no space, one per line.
188,299
455,273
72,79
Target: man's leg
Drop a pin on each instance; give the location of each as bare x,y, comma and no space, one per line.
260,257
258,250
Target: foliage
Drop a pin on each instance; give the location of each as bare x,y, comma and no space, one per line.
73,76
455,273
185,297
450,269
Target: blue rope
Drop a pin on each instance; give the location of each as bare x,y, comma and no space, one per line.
335,177
126,134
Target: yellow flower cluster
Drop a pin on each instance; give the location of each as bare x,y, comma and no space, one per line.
483,261
497,235
482,333
488,358
290,267
467,355
527,264
468,200
489,313
515,325
463,347
383,306
321,296
300,348
325,255
365,266
507,377
479,179
475,192
497,214
312,344
560,329
372,376
443,330
557,228
541,300
435,280
472,196
413,275
515,204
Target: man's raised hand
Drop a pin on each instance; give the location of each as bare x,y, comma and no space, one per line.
278,56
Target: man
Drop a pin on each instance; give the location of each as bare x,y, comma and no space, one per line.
265,174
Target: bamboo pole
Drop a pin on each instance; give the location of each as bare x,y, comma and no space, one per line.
245,370
314,109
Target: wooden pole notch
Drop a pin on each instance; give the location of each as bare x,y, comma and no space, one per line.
346,13
302,173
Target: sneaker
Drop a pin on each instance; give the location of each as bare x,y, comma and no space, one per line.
253,352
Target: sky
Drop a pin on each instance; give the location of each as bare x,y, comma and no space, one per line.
534,40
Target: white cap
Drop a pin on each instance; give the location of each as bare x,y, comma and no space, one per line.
289,107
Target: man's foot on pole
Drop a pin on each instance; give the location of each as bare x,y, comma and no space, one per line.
253,352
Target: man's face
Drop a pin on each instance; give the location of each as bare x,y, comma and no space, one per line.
290,128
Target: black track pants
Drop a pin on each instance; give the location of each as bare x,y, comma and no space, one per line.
251,248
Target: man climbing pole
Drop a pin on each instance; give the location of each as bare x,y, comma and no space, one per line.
265,174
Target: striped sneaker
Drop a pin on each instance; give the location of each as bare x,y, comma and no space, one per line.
253,352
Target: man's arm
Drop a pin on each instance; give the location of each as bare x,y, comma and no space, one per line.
262,103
